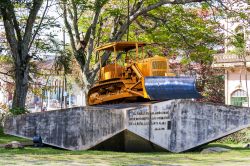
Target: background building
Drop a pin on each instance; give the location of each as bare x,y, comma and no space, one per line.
47,91
237,78
235,61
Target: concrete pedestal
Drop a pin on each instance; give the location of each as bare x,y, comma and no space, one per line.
174,125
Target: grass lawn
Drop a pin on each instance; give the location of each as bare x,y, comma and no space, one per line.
4,139
51,156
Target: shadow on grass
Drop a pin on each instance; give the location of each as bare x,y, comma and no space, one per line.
232,147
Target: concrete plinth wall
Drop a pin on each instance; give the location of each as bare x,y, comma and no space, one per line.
180,125
174,125
74,129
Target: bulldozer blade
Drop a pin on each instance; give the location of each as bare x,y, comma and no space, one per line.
164,88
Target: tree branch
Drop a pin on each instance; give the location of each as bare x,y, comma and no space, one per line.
10,33
140,11
99,6
10,8
29,26
38,28
75,21
68,27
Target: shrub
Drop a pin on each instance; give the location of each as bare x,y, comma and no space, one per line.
18,111
242,136
2,117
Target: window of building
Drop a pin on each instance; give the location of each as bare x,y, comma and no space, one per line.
239,98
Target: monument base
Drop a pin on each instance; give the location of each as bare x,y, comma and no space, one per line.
174,125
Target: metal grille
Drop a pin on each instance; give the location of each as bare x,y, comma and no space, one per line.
159,65
158,73
239,98
239,101
159,68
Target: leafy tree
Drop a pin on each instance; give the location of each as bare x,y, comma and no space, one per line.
19,42
191,34
24,24
181,31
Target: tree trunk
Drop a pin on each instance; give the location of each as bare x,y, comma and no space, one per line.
20,40
21,87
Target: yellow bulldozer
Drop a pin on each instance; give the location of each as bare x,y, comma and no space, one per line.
138,78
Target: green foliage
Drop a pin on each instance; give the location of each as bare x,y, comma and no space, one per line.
5,59
2,118
113,12
63,62
1,130
181,30
238,40
84,23
210,92
242,136
18,111
205,5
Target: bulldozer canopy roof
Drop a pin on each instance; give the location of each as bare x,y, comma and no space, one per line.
120,46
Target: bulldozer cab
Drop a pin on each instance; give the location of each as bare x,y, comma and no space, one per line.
113,69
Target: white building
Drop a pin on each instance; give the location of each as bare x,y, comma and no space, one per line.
235,61
237,78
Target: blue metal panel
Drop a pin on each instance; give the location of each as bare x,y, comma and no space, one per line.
163,88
